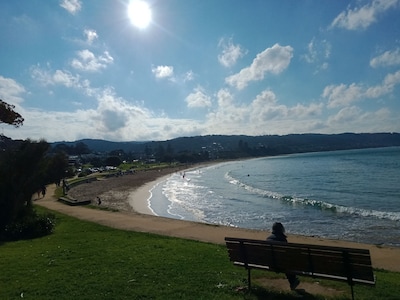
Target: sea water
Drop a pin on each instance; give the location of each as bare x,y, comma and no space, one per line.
350,195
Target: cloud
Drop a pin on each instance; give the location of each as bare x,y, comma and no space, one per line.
353,117
362,17
189,76
264,115
387,59
265,107
113,111
272,60
344,95
230,52
317,53
11,91
198,99
163,71
90,35
47,77
87,61
72,6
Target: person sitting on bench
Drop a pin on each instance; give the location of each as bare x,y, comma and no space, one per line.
278,234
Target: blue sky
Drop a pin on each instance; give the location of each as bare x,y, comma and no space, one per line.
83,69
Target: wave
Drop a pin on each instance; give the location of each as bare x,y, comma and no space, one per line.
322,205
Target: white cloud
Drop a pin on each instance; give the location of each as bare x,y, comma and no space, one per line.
344,95
163,71
264,115
47,77
72,6
317,53
198,98
116,119
265,107
90,35
362,17
189,76
11,91
358,120
87,61
272,60
345,115
230,52
386,59
62,77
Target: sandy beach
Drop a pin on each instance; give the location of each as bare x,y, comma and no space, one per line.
128,197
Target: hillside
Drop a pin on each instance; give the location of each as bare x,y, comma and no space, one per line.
250,145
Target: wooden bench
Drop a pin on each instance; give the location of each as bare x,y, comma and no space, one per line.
336,263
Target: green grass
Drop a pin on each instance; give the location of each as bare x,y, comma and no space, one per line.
83,260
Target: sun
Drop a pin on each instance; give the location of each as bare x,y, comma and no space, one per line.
139,13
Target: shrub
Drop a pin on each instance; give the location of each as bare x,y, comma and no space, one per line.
30,225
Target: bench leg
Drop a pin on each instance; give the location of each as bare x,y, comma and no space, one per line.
352,292
248,279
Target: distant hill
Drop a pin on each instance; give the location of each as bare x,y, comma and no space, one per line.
105,146
251,145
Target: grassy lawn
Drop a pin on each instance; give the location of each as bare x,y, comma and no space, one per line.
83,260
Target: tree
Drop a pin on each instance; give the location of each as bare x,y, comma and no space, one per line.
113,161
81,148
57,166
24,170
22,173
9,116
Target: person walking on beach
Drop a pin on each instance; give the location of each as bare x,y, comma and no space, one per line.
278,235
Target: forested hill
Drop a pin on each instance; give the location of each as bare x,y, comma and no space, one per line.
242,146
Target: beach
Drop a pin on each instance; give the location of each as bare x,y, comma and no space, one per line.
127,197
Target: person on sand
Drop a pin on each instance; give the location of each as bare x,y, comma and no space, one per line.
278,235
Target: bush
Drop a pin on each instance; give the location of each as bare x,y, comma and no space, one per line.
29,226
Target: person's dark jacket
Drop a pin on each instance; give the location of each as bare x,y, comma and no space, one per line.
278,237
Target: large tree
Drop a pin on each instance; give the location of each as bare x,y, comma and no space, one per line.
24,169
9,116
22,173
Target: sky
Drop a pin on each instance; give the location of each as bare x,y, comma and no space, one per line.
120,70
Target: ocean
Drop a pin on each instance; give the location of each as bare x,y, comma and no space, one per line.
351,195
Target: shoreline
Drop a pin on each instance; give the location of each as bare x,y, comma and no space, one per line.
139,198
133,197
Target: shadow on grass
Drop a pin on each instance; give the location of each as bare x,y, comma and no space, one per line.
258,292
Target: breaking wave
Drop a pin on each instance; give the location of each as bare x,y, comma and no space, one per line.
317,204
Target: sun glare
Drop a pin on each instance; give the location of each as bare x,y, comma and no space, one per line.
139,13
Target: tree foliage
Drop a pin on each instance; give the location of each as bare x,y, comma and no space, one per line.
23,172
9,116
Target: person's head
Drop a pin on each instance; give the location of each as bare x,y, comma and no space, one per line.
277,228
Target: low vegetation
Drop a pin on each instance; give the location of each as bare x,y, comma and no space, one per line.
83,260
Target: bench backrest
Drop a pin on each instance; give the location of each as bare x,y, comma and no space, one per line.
352,265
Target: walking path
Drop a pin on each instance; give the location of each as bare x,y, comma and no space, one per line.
382,257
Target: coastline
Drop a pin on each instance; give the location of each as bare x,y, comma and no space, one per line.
139,198
132,194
